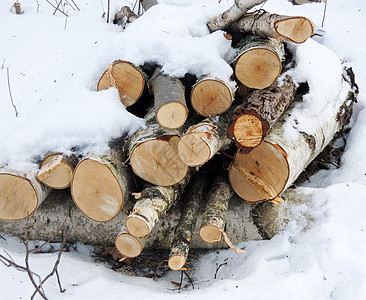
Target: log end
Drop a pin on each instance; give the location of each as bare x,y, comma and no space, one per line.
96,190
258,68
296,29
157,161
124,76
172,115
248,131
137,227
211,97
18,198
128,245
176,262
55,172
193,150
211,234
261,174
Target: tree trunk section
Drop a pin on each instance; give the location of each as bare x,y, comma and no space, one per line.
129,245
152,203
20,194
184,231
169,100
211,96
56,170
214,218
274,165
154,155
127,78
264,24
234,13
252,120
259,62
100,185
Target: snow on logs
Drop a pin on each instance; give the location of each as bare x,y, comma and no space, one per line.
100,185
259,62
20,194
127,78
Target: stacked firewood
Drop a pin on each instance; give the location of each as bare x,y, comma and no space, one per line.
179,140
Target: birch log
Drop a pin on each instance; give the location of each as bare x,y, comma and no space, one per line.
184,231
129,245
100,185
152,203
169,100
252,120
259,62
294,29
154,155
56,170
211,96
20,194
215,214
274,165
127,78
240,225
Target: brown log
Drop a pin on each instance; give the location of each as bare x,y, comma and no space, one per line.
100,185
169,100
252,120
56,170
127,78
211,96
259,62
154,156
20,194
271,167
152,203
294,29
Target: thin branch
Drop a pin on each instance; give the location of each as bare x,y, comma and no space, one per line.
55,8
75,5
109,6
325,11
59,282
11,97
218,268
189,278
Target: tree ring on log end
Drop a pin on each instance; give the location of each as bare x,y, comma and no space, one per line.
296,29
261,174
248,131
55,172
124,76
211,97
193,150
96,190
172,115
18,199
157,161
210,234
258,68
137,227
176,262
128,245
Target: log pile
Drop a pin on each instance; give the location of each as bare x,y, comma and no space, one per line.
183,188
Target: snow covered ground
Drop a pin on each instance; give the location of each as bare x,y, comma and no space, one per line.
53,74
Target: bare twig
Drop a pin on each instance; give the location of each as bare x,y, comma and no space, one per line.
11,97
37,5
108,9
218,268
1,237
189,278
3,64
157,269
75,5
56,8
325,11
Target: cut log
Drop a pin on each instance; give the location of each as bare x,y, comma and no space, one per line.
56,170
152,203
294,29
129,245
127,78
214,218
252,120
169,100
47,219
187,223
154,156
100,185
275,164
211,96
18,9
20,194
259,62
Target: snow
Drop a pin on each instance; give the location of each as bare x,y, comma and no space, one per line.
53,74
